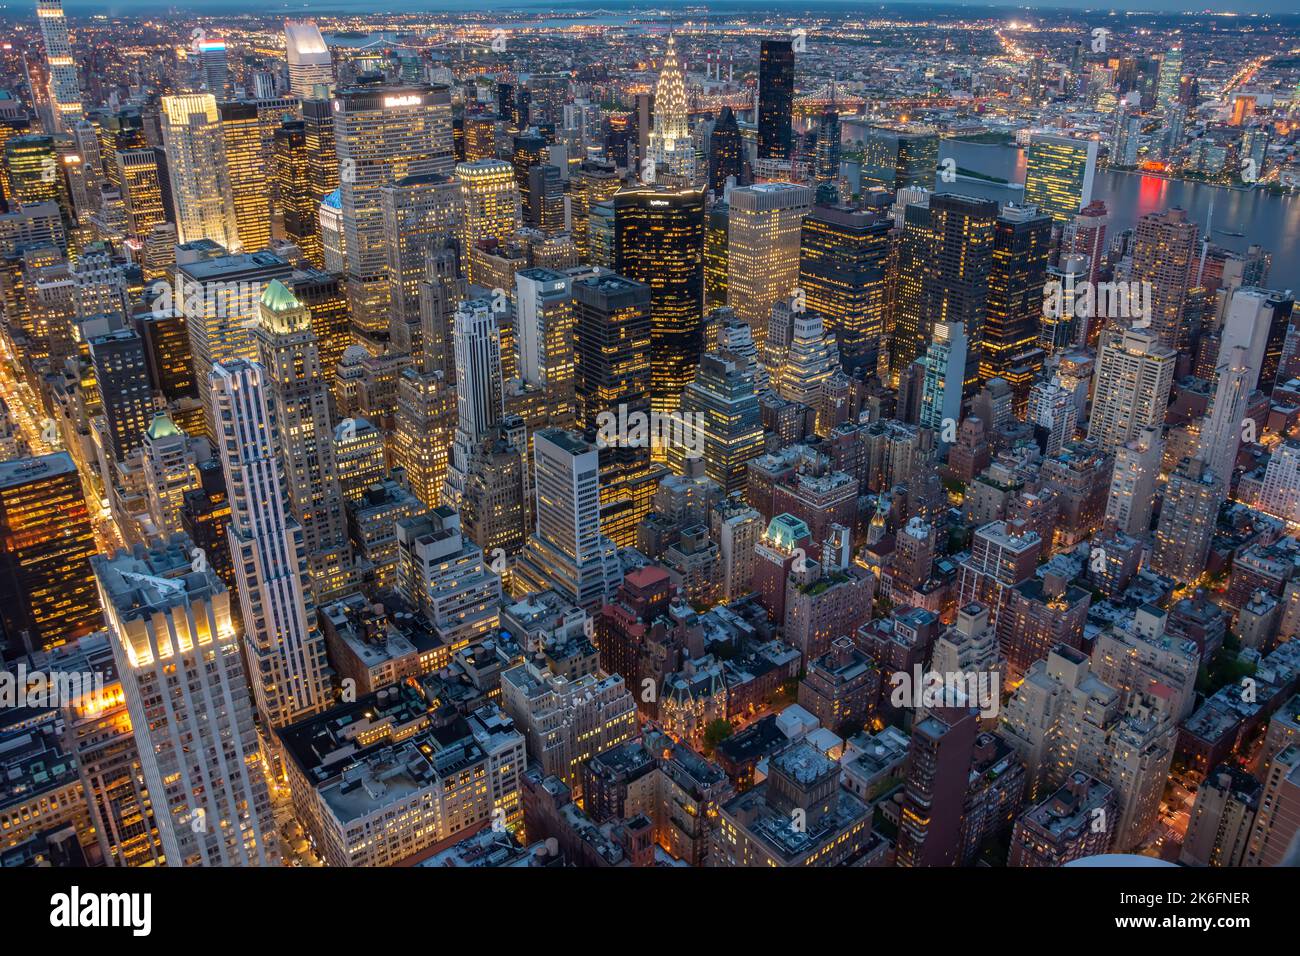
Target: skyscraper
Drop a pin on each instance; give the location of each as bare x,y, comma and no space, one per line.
47,589
142,189
897,159
64,89
671,147
659,240
214,66
826,166
420,213
196,163
283,642
177,657
723,394
1130,389
1021,238
934,794
775,98
426,427
591,183
1164,254
1222,428
544,331
177,654
247,175
382,134
298,205
1133,482
1187,518
480,396
726,152
310,64
1059,172
122,380
955,276
612,344
219,297
763,250
289,355
490,210
945,364
1167,80
1279,493
568,552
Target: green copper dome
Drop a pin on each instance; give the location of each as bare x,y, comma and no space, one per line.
786,531
162,427
278,298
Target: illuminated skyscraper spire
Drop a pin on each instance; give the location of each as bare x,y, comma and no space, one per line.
670,141
670,97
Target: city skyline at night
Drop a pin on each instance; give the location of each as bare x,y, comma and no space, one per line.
651,437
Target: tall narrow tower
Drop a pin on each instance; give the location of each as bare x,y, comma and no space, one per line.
285,648
288,351
65,92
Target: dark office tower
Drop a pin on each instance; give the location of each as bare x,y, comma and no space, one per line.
827,165
458,138
1282,308
519,115
165,184
955,286
717,233
843,257
545,199
645,111
205,517
10,127
326,297
723,394
726,152
167,352
775,99
34,173
529,151
896,160
618,136
121,130
47,590
298,203
122,379
506,100
659,240
934,794
322,159
908,339
592,182
1021,237
612,341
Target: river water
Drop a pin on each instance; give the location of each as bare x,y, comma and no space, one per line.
1271,221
